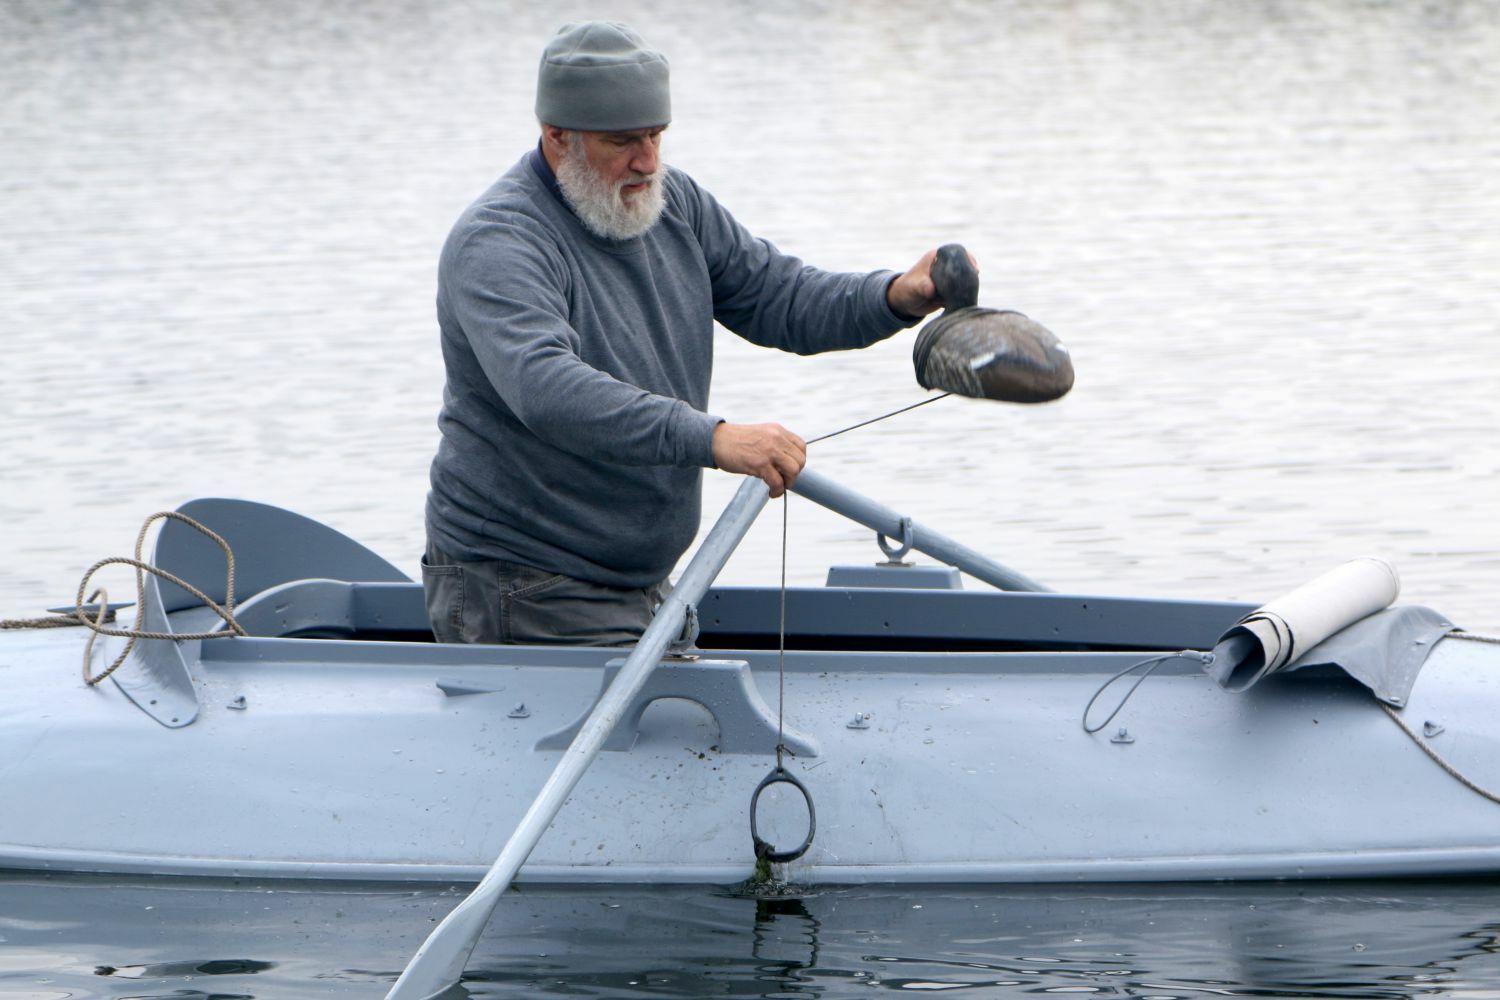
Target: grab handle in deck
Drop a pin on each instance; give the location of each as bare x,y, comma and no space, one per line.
841,500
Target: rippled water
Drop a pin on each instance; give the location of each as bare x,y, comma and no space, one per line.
87,939
1267,231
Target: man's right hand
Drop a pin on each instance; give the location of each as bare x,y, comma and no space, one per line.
766,451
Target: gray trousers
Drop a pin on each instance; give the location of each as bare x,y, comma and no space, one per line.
503,602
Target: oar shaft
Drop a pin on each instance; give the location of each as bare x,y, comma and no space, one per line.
666,626
857,507
440,962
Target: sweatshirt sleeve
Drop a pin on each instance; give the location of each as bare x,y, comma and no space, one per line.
508,291
775,300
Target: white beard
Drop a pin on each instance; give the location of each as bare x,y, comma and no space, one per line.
598,203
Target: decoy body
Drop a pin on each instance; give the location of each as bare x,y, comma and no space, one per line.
986,353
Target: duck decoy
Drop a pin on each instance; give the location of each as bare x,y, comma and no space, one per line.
986,353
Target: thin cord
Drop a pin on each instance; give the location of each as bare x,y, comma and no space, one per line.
1154,661
866,423
781,637
781,644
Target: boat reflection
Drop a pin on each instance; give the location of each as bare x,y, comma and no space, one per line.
174,937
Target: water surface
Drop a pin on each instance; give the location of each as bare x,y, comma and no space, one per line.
1266,231
85,938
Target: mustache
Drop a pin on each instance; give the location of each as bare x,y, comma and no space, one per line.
650,178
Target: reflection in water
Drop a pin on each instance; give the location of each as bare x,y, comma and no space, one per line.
188,995
196,967
785,941
1172,942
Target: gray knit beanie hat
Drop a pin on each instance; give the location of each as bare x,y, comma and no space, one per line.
599,76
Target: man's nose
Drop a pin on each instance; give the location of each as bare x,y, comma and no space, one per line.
645,159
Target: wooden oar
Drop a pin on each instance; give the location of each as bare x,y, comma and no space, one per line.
440,962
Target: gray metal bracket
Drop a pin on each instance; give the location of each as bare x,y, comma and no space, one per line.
724,687
687,641
155,675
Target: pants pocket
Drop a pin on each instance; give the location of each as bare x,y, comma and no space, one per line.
560,609
443,588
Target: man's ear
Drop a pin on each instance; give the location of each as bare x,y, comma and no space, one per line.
554,139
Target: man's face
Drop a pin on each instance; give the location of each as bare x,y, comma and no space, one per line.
613,180
627,161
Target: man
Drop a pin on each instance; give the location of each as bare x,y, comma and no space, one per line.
576,301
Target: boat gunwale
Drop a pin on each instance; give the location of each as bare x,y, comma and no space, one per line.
1248,867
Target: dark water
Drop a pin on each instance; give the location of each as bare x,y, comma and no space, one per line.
1267,231
80,938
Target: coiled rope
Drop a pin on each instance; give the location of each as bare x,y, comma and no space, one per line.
102,615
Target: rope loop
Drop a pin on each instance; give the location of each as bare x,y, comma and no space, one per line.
1154,662
97,624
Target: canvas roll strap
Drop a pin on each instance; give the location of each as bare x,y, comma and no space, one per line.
1276,634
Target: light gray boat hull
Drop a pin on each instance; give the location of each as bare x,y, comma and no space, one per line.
348,758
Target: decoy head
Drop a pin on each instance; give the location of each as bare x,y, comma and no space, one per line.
955,278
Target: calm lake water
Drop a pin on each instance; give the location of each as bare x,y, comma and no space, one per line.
1267,231
227,942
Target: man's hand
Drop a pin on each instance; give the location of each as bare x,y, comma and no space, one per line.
766,451
913,293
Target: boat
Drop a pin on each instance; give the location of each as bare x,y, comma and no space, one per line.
910,728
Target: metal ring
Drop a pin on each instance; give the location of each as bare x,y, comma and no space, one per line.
763,850
894,555
687,639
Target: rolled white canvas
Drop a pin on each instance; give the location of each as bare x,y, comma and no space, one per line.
1277,633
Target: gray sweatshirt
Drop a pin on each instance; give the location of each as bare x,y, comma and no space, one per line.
574,424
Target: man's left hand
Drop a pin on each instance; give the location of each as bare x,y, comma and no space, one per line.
913,293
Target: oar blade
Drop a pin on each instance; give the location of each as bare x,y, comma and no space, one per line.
439,964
